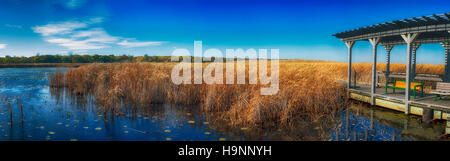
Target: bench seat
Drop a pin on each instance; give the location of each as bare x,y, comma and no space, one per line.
400,84
442,89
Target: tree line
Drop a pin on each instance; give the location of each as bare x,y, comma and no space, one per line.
81,59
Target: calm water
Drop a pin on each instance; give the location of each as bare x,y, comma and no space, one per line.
56,115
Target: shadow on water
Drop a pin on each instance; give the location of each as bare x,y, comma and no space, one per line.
56,114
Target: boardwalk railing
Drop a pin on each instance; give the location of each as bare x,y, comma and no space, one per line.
402,75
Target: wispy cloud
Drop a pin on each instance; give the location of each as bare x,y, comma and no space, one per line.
2,46
80,35
126,43
59,28
72,4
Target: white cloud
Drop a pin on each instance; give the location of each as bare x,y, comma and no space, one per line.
59,28
79,45
2,46
80,35
95,35
138,44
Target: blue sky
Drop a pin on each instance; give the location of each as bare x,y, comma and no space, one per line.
300,29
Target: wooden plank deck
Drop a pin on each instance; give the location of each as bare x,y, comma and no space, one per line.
427,100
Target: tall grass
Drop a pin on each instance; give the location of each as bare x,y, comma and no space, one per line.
308,92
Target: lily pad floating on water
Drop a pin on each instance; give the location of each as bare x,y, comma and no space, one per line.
222,139
191,122
51,133
207,133
206,123
126,132
85,127
167,130
98,128
168,139
59,123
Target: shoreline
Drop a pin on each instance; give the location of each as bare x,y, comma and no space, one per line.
41,65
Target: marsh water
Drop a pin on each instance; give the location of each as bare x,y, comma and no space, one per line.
30,110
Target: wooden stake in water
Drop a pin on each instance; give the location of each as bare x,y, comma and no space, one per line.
366,135
21,109
10,114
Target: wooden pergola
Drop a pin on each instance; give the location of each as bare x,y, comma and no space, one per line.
411,32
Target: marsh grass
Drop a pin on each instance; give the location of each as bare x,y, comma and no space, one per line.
308,92
309,97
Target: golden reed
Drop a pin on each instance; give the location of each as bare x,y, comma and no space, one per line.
308,90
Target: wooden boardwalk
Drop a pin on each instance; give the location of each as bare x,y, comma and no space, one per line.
427,100
396,101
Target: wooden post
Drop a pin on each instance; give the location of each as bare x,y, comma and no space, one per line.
388,49
350,46
377,80
415,46
366,135
371,119
447,129
374,42
409,39
446,46
427,115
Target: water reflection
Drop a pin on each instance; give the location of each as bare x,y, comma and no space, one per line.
363,123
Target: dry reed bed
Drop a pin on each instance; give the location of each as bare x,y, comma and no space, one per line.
308,92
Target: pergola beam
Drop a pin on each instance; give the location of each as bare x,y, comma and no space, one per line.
432,23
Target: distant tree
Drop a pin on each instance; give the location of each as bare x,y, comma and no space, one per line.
140,59
71,58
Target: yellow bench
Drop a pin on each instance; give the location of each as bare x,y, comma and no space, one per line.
399,84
